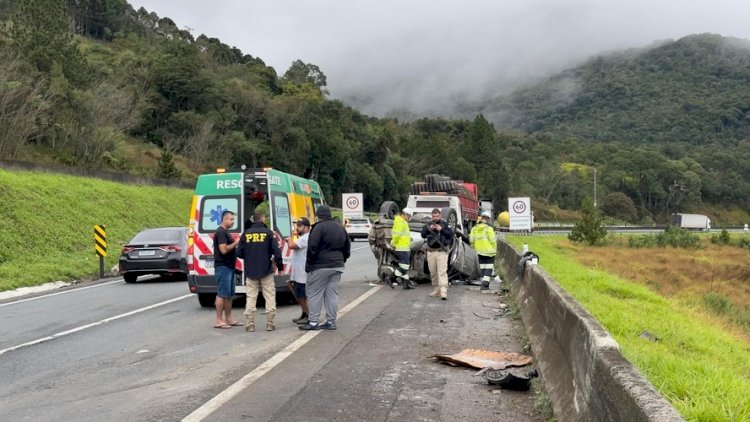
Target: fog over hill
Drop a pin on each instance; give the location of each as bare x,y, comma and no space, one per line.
427,57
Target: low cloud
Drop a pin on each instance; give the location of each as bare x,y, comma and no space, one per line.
426,56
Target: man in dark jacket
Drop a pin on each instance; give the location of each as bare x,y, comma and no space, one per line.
259,250
438,235
328,249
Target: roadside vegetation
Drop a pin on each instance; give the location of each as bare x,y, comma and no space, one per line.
694,301
46,223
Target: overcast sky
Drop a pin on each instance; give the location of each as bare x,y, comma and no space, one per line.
419,55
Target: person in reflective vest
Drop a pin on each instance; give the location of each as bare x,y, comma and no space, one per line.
401,243
485,244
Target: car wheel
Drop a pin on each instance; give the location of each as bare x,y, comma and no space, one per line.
449,215
388,209
207,300
130,278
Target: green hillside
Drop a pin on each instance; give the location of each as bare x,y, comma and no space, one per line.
693,90
46,223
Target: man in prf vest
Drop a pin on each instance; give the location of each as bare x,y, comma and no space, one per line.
485,244
260,252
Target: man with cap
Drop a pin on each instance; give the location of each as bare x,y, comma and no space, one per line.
483,241
401,243
298,244
328,249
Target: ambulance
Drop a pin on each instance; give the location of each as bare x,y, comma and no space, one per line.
284,197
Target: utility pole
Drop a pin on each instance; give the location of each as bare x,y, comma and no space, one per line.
594,187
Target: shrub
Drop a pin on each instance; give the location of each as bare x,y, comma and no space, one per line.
590,228
672,236
678,238
722,238
717,303
642,241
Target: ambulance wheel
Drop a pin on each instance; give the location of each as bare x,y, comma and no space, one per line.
130,278
207,300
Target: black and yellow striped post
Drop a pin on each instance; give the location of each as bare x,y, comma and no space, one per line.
100,245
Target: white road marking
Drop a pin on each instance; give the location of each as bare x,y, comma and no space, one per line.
93,324
61,293
233,390
361,247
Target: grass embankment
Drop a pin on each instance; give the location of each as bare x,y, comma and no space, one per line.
46,223
699,364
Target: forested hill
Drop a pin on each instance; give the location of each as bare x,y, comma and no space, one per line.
693,90
97,84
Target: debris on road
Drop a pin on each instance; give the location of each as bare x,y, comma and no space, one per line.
511,379
494,306
482,316
481,359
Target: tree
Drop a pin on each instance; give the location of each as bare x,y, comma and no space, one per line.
590,229
42,32
300,73
99,18
620,206
24,103
166,168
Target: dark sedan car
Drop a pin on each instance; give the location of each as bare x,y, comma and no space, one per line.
160,251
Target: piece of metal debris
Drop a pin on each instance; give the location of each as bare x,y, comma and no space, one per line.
511,379
482,316
648,336
479,359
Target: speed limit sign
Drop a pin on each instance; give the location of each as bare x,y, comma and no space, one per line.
352,205
520,213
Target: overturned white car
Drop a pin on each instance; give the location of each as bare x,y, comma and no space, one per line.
463,263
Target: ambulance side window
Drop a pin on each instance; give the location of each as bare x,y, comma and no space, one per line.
282,221
211,209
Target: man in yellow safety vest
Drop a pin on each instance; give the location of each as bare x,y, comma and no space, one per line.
401,243
485,244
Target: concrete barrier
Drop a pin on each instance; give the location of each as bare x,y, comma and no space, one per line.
581,366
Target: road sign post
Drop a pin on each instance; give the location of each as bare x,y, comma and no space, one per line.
352,205
100,246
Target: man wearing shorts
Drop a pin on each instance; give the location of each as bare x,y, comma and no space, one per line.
298,245
224,260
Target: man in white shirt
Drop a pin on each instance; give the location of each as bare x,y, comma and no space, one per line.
298,244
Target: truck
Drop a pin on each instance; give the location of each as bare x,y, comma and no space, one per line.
459,198
691,221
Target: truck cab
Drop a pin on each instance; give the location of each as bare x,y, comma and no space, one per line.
424,204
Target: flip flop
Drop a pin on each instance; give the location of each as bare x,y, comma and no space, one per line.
236,324
223,327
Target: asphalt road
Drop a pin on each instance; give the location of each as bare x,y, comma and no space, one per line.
146,351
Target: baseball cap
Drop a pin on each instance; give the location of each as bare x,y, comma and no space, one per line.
303,221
